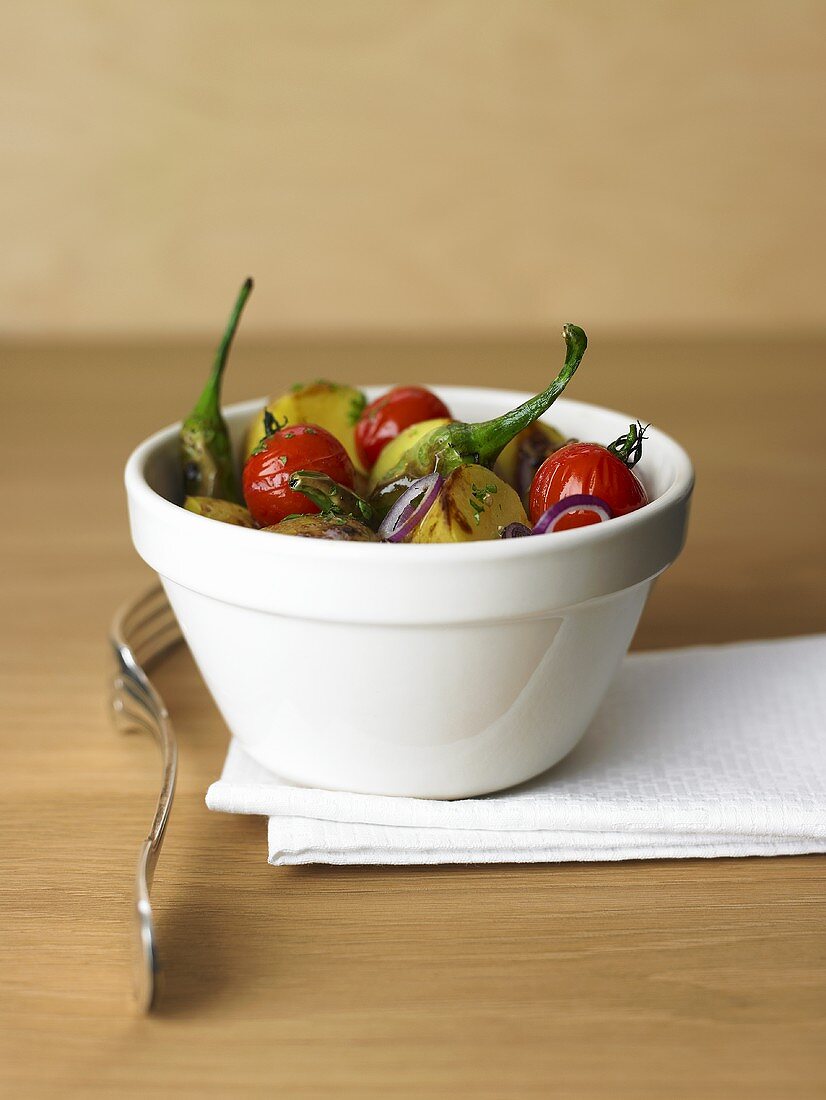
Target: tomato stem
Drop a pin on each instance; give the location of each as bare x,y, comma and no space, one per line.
271,424
628,448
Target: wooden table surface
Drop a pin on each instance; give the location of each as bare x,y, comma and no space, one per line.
682,978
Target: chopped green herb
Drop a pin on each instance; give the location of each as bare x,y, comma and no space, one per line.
357,405
478,498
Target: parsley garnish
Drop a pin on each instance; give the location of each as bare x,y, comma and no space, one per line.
357,405
478,498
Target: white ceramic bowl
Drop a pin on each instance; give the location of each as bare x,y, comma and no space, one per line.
439,671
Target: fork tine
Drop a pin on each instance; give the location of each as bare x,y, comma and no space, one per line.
149,628
131,694
132,615
128,719
136,626
155,644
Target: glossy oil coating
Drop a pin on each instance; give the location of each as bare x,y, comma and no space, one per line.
450,670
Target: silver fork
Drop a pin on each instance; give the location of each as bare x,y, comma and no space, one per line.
142,632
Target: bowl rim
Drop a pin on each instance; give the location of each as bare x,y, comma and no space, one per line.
139,490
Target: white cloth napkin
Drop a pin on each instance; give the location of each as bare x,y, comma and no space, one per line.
714,751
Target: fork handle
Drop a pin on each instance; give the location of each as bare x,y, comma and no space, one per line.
137,704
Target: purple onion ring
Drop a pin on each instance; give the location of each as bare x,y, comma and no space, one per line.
579,502
410,509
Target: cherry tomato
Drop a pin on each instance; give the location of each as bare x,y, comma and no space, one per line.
284,451
390,414
585,468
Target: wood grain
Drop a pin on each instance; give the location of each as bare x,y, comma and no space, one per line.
685,979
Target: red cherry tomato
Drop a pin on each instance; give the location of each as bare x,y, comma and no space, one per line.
585,468
390,414
294,447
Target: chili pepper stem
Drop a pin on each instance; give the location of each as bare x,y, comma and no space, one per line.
485,441
457,444
209,402
330,497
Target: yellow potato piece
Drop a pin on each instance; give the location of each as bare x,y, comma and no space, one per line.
330,405
473,504
394,452
222,510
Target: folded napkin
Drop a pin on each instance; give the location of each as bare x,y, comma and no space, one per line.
713,751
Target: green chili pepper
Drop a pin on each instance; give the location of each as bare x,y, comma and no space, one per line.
206,453
458,444
333,499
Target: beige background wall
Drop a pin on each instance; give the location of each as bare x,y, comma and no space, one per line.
393,165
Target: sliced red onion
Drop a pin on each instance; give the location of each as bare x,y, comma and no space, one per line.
515,531
579,502
410,509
